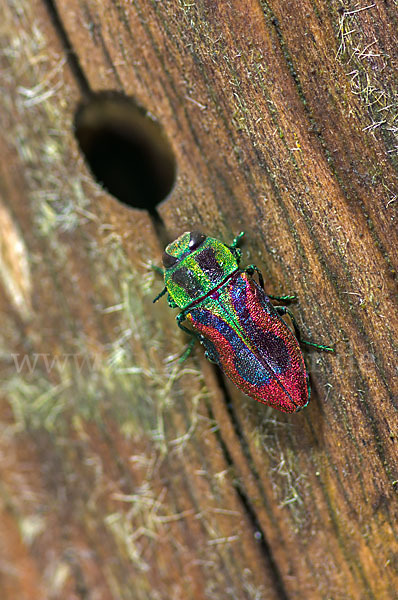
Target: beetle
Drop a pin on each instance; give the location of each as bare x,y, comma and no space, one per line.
235,320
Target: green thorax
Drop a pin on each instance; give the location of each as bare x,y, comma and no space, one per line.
197,272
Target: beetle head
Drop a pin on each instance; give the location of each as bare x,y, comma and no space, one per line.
181,247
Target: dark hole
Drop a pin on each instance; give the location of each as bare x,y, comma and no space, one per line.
126,150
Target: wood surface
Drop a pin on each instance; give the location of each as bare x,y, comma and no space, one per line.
123,474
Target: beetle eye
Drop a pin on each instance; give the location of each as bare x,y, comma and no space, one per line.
196,239
168,260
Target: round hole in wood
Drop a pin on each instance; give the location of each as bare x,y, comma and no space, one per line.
126,150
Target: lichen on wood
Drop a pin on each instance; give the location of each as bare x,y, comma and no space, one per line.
124,473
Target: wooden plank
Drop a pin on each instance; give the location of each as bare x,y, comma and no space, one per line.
129,475
107,497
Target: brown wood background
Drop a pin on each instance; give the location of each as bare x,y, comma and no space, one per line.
124,475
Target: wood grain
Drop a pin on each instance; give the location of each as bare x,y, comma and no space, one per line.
125,474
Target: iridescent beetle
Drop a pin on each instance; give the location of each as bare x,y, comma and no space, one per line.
230,314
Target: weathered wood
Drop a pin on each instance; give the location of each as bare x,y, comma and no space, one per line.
125,474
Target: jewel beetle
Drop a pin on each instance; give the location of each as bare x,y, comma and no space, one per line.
235,320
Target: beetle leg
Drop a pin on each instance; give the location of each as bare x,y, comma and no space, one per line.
236,240
237,252
171,302
181,317
210,358
251,269
195,336
188,351
162,293
283,298
282,310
